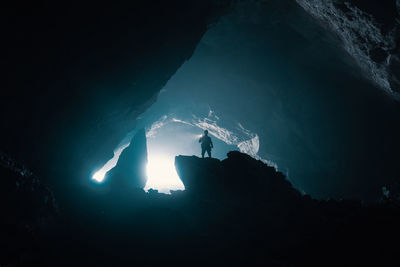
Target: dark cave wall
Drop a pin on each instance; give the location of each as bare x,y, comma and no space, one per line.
76,77
370,33
275,69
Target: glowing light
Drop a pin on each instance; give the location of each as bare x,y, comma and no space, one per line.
100,174
161,174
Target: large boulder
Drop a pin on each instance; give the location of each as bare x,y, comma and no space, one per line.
237,178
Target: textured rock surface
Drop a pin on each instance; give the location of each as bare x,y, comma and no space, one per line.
370,33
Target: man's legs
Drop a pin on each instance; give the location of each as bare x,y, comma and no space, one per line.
209,152
203,151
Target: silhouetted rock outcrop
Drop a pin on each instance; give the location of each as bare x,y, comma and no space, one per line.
130,171
237,178
259,218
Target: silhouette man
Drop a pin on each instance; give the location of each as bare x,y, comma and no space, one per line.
206,144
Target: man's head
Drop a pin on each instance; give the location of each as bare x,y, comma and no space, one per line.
205,132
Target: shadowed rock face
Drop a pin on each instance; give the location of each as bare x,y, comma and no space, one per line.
27,208
259,218
237,211
237,178
75,78
370,33
130,172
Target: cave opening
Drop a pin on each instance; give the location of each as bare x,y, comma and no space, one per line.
178,134
304,108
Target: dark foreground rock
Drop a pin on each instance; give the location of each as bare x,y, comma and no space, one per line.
260,218
239,178
237,211
27,207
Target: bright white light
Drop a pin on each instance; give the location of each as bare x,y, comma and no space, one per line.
161,174
100,174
